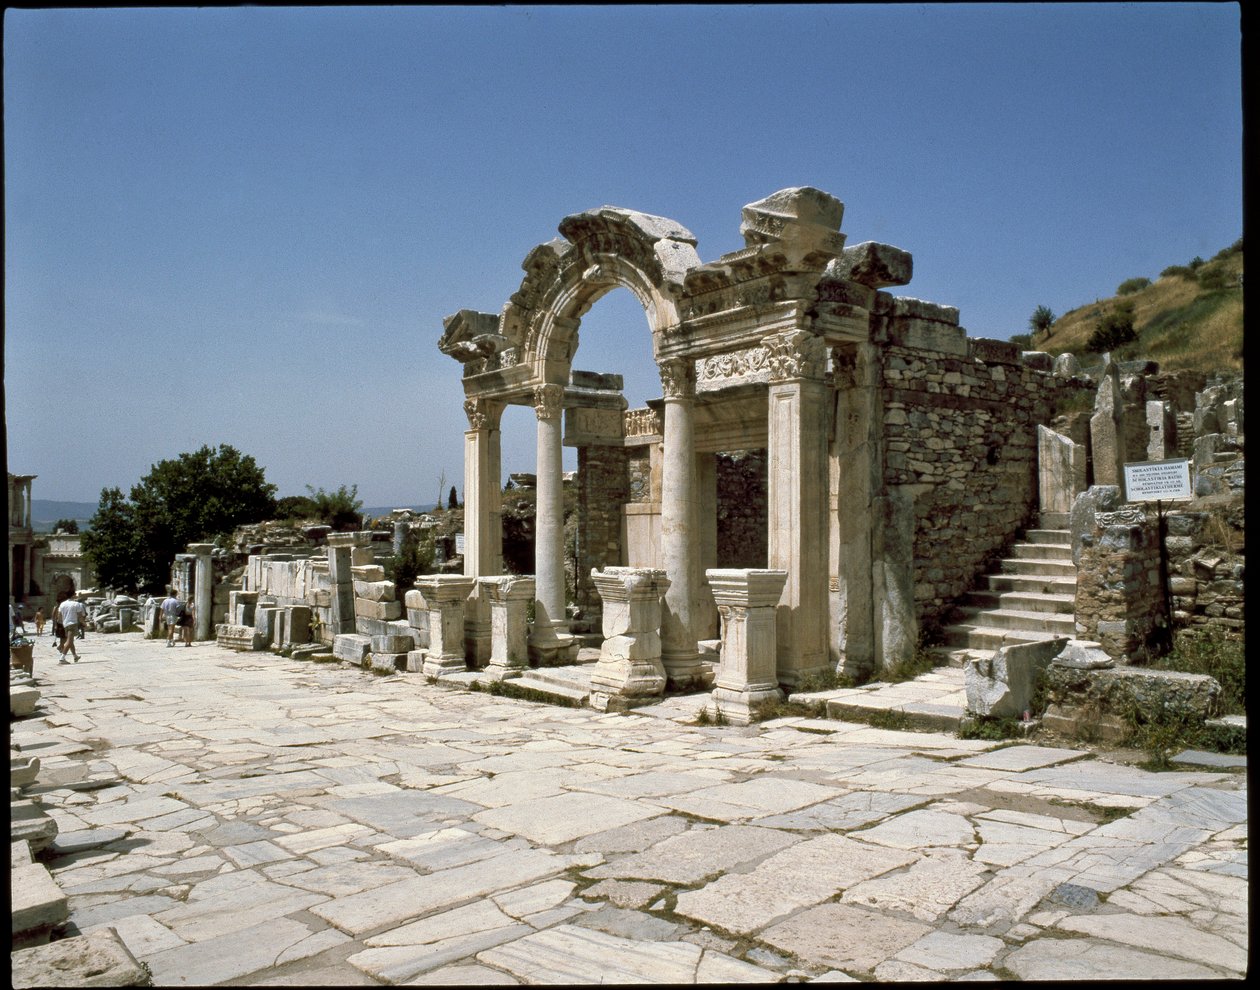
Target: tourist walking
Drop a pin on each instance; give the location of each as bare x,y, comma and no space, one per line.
73,616
172,612
186,623
39,621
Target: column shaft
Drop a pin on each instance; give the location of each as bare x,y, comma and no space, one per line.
549,522
679,530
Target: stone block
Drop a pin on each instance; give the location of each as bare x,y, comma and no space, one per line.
388,663
36,900
30,823
367,572
1037,361
376,591
242,638
22,700
383,611
352,647
97,959
391,643
1084,655
1001,686
873,264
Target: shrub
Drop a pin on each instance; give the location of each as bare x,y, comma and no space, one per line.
1177,271
1022,340
1131,285
1213,277
1113,330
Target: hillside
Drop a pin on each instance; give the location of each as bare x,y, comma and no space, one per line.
1190,317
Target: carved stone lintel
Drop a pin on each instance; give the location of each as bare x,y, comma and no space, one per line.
548,400
678,378
732,368
795,354
644,422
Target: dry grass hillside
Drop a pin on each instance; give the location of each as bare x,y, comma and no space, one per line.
1190,317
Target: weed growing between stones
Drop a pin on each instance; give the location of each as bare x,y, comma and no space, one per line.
823,680
1104,814
704,718
1216,655
506,689
923,660
987,727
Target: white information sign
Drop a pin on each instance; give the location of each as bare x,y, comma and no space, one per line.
1151,481
459,543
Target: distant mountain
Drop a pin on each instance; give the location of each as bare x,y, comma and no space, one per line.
45,512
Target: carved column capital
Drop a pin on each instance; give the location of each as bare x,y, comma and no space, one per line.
483,414
678,378
548,400
795,354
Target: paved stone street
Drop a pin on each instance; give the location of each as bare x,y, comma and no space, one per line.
246,819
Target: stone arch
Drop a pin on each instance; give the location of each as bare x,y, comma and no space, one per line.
603,249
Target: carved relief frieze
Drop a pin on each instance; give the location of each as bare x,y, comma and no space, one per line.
1128,516
645,422
795,354
734,368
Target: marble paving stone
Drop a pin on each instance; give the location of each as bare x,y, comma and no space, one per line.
530,900
898,971
404,814
402,963
123,812
567,954
692,856
638,926
225,957
798,877
844,937
1008,897
634,837
233,911
658,783
565,817
343,879
444,848
312,945
926,890
141,934
1005,844
372,910
509,788
1168,936
304,842
943,951
1019,758
624,893
916,829
464,975
255,853
843,813
35,899
750,798
1079,960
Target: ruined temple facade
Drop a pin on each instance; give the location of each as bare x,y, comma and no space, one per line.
898,455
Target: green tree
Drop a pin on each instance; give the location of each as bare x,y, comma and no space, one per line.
192,498
66,526
112,540
295,507
1041,320
1114,329
452,500
340,509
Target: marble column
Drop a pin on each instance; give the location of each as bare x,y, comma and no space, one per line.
483,522
798,496
680,549
747,675
203,591
550,642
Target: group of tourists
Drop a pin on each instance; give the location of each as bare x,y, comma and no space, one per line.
69,619
178,617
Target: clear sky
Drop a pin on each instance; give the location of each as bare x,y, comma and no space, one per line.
245,225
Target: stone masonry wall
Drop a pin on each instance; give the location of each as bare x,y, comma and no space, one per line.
742,533
603,487
961,429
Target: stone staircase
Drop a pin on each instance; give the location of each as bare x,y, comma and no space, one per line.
1031,597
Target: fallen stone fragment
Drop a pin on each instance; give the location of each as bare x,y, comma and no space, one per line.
37,902
99,959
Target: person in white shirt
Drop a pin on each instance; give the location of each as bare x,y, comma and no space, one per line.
172,612
73,615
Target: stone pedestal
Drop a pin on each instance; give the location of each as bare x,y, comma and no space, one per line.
508,598
747,601
630,659
341,582
444,596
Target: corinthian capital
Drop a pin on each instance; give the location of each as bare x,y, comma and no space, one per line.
678,378
795,354
548,400
482,413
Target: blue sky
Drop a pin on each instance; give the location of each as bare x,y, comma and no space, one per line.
245,225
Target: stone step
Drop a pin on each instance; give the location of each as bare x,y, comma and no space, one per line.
1031,582
1062,537
569,676
1026,601
1013,618
1038,565
1042,551
990,638
569,692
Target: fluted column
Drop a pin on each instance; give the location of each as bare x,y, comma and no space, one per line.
680,549
483,520
798,542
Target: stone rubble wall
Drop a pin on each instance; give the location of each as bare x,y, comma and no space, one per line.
962,433
742,536
603,487
1206,564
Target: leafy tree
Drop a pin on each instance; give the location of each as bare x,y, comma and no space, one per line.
295,507
452,500
340,509
195,497
66,526
112,540
1041,320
